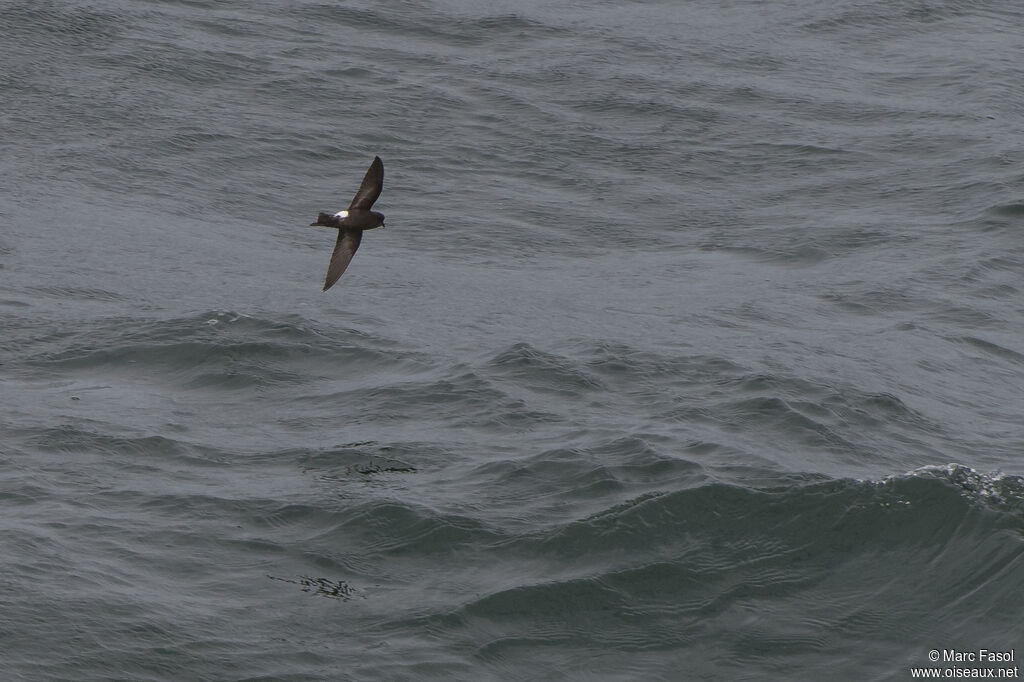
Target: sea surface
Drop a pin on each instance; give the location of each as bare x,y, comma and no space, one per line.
693,348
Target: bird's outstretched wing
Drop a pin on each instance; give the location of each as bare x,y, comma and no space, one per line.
344,249
373,183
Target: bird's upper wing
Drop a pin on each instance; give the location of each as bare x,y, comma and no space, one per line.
373,183
344,249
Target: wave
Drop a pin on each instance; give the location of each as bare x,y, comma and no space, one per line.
218,350
780,571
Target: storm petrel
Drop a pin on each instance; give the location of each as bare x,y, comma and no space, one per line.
352,222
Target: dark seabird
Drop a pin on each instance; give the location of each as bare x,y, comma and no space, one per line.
352,222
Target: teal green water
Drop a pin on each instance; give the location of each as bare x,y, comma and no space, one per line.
692,349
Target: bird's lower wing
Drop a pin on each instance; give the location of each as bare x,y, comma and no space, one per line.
344,249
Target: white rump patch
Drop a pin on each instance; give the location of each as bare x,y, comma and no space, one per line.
341,214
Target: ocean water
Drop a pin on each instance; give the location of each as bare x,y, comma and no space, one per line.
693,349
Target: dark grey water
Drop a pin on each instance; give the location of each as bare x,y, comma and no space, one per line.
694,347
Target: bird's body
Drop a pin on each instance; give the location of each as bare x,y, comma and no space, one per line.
352,222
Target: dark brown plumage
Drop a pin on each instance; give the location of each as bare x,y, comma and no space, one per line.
352,222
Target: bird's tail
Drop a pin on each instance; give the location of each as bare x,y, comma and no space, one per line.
325,219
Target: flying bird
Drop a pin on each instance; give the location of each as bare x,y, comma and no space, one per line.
352,222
